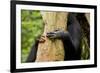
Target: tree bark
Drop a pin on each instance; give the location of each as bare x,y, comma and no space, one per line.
52,50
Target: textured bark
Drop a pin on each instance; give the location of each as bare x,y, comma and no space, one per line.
52,50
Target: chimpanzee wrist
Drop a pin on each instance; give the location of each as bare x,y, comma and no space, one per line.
61,35
65,35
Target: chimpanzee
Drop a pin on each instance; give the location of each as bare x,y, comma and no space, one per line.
71,39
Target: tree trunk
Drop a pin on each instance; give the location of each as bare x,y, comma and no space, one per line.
52,50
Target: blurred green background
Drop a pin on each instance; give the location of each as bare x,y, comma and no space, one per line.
31,28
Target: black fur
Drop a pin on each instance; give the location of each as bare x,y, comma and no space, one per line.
73,39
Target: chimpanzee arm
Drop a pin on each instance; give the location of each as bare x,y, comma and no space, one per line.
33,52
71,38
73,33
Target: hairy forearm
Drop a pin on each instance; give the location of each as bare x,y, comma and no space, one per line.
32,54
67,37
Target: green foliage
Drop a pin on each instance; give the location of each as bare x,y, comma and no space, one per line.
31,28
85,53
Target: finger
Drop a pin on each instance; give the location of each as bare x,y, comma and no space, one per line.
43,37
42,40
50,35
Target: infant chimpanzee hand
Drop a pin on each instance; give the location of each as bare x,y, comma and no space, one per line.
41,39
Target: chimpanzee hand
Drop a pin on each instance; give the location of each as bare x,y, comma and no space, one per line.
41,39
57,34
